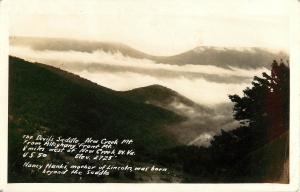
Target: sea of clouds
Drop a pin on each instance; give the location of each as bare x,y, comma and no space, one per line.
205,84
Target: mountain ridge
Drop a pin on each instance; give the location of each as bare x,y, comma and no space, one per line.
225,57
166,98
64,100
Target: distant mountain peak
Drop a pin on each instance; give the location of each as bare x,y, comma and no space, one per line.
200,49
156,87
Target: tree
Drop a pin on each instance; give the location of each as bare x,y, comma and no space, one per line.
264,108
246,154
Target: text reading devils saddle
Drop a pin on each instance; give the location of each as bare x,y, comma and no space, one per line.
89,157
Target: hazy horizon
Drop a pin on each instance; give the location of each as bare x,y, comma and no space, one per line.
157,27
238,48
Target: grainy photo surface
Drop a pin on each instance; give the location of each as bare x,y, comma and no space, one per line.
148,92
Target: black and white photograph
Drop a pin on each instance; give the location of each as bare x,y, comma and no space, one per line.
175,92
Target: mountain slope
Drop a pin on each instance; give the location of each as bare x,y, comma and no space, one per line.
246,58
201,123
226,57
166,98
62,44
43,96
48,101
268,164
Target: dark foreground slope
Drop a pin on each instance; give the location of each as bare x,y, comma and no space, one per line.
268,164
68,104
49,101
227,161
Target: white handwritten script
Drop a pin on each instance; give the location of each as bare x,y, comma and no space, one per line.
51,155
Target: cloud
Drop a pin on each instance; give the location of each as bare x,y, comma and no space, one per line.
118,59
198,90
203,84
201,126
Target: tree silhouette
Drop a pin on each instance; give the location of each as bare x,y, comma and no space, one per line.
264,108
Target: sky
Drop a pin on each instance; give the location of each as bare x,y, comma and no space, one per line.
158,27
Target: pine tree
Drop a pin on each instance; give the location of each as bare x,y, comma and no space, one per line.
264,108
